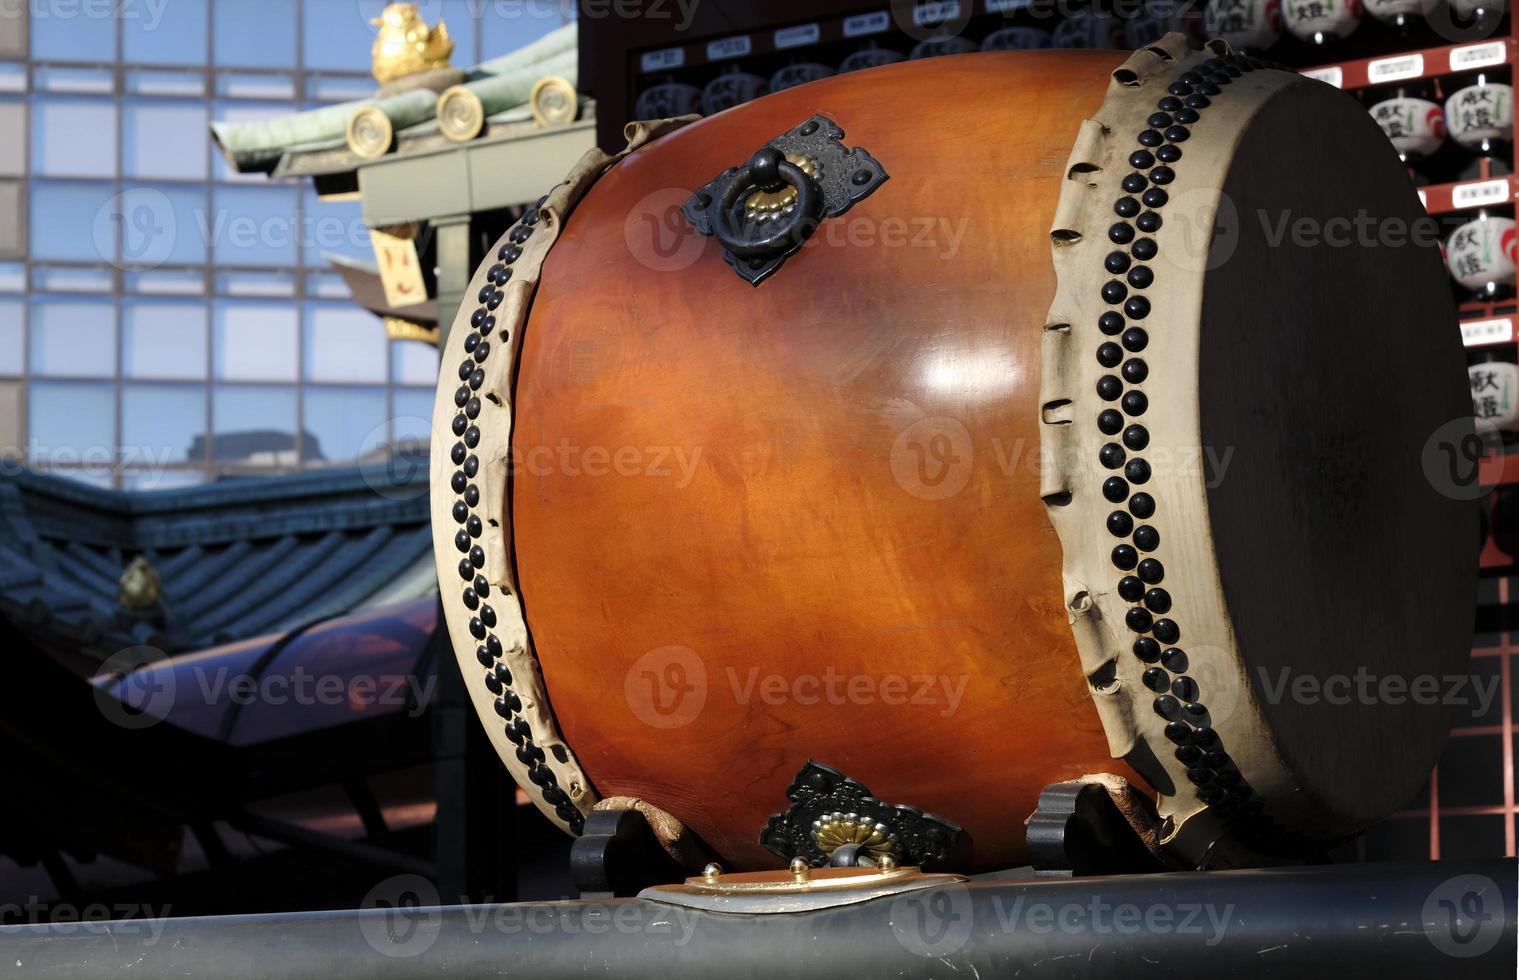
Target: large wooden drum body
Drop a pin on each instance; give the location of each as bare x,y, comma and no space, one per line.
1063,451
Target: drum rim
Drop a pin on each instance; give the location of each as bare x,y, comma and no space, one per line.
473,544
1147,727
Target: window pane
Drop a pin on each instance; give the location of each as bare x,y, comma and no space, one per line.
343,421
148,81
337,33
163,340
161,423
74,137
83,222
71,422
73,337
10,337
164,139
326,285
254,341
324,90
411,428
253,226
73,32
334,227
245,85
71,279
160,225
166,33
254,425
73,221
414,363
247,282
259,34
344,343
180,281
52,78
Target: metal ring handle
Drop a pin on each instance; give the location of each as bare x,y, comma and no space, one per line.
767,168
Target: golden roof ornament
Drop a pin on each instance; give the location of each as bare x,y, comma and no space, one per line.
405,45
138,586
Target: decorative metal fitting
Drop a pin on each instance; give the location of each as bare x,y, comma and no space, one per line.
834,820
762,212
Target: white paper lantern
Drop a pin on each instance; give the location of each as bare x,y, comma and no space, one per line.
1254,25
1415,126
1480,253
1398,11
799,74
1016,39
1482,11
1495,395
936,47
1319,20
870,57
730,89
666,100
1481,113
1089,29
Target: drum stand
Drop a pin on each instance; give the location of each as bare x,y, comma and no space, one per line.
1075,831
618,855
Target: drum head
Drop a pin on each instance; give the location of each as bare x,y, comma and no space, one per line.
1329,373
1252,373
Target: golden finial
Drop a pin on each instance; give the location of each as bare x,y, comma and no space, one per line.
138,586
405,45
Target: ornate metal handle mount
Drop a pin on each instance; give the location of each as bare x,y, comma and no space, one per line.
768,171
763,211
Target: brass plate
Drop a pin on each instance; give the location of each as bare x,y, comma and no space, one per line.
775,892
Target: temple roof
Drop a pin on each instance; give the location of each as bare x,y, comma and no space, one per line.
232,559
320,142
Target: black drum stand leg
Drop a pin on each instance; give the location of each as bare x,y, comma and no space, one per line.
618,856
1076,830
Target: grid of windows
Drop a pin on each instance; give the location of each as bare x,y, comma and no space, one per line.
164,320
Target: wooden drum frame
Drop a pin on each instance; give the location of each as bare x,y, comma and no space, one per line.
1124,303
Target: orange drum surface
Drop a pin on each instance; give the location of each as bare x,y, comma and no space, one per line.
758,525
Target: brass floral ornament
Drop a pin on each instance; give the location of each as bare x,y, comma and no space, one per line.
405,45
765,204
834,820
834,830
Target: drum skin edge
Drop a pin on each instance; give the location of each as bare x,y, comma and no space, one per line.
1080,238
1228,803
471,517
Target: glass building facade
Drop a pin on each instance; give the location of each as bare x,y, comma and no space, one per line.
164,320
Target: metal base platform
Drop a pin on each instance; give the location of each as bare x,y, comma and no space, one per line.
1389,921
